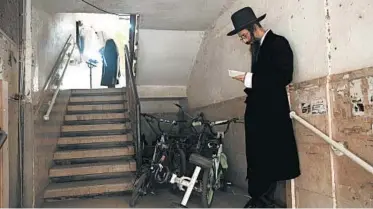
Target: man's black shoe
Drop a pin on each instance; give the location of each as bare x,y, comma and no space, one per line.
254,203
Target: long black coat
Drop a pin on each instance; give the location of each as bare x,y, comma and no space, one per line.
271,149
110,66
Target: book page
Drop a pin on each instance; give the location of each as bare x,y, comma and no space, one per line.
234,73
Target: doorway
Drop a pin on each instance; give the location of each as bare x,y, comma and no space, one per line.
88,67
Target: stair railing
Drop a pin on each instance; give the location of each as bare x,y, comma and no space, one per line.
133,106
53,75
338,147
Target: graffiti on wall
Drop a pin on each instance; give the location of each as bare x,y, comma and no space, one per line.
315,107
318,107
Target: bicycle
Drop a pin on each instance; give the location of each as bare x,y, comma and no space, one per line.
214,164
212,148
163,161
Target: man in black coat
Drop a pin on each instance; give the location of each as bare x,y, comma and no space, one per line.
271,150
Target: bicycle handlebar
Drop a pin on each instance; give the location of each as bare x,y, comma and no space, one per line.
160,120
210,124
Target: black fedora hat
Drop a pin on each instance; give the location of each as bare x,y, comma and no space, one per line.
243,18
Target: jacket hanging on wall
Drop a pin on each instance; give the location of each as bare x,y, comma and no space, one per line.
110,65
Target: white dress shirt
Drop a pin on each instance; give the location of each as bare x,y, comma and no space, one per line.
249,76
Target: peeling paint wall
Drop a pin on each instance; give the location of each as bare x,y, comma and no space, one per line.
9,70
352,116
9,18
314,187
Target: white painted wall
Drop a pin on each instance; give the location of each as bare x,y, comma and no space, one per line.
351,28
157,91
301,22
304,24
166,57
49,33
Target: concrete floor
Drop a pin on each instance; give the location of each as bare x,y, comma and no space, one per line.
235,198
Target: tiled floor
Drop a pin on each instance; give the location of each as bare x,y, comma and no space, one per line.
235,198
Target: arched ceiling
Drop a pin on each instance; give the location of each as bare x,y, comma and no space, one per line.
196,15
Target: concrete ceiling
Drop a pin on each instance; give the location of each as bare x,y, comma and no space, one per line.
195,15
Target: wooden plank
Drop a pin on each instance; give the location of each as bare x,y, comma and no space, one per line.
4,164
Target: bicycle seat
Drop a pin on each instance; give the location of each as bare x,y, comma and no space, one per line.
93,61
200,161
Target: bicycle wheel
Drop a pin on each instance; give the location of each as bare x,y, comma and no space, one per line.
178,166
140,187
223,179
208,190
178,162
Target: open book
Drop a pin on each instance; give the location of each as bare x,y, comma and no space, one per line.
234,73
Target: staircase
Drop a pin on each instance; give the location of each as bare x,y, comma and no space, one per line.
94,155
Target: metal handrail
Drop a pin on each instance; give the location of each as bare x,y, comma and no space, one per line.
53,101
335,144
58,62
133,106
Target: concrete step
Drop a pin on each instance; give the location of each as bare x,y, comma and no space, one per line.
94,153
97,91
103,116
88,99
95,168
92,128
104,107
102,202
94,139
88,188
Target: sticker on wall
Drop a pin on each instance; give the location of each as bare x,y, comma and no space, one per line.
306,108
370,90
357,97
318,107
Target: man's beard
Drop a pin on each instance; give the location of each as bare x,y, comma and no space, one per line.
253,40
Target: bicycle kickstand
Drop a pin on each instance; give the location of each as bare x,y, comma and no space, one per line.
186,182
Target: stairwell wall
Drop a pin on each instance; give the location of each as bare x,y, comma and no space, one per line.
332,90
45,35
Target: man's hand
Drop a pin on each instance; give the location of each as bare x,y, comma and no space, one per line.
240,77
